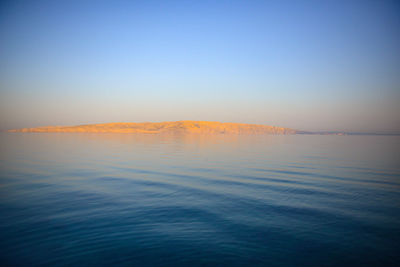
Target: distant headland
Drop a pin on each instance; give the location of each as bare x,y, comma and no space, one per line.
192,127
185,127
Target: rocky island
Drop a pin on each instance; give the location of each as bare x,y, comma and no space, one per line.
192,127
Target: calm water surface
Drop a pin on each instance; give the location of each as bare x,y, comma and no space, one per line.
145,200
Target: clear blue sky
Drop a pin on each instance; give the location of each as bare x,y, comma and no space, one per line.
312,65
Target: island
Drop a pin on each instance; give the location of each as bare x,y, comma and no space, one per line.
192,127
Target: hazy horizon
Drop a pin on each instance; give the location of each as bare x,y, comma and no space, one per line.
113,129
306,65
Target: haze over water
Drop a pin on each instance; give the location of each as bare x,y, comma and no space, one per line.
180,73
129,199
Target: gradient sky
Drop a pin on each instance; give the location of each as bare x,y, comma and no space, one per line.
311,65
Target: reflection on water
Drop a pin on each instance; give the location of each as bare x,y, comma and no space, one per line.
102,199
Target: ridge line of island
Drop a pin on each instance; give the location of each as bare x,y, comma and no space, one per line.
186,127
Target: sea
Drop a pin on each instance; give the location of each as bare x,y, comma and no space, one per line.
81,199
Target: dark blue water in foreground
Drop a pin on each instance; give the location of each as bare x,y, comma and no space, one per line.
305,200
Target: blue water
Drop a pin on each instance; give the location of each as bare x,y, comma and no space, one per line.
153,200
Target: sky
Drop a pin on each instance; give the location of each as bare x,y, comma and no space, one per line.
309,65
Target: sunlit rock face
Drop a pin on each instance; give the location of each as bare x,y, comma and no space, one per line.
192,127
